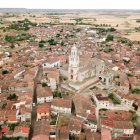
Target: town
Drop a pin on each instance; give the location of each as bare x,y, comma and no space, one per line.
69,77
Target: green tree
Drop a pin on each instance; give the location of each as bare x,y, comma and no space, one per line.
110,38
44,84
135,90
12,46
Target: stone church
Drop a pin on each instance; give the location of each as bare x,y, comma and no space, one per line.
82,68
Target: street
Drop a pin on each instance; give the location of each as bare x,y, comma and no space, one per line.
33,115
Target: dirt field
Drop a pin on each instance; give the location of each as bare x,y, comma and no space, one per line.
133,36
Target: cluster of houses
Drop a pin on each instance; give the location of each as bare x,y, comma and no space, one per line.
77,84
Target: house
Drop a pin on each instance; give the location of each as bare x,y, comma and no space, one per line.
52,72
51,77
123,128
64,133
41,137
24,114
63,59
117,115
44,94
61,106
83,106
92,136
136,137
91,123
123,83
118,128
18,103
11,116
51,63
43,111
125,99
134,83
101,98
44,130
21,131
2,116
75,126
105,134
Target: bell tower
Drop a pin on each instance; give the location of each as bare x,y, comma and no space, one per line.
73,64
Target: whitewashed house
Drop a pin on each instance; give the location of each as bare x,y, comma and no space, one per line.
101,99
61,106
91,124
51,63
44,94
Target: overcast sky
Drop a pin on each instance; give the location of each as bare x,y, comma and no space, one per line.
71,4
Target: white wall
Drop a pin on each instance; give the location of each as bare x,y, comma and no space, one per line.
41,100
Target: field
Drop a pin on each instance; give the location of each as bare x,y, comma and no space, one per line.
121,20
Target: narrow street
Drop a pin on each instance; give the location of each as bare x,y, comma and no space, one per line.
33,115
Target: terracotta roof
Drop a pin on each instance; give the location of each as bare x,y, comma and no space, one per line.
43,91
64,133
41,128
105,134
116,115
22,129
75,124
62,103
117,124
41,137
43,108
83,104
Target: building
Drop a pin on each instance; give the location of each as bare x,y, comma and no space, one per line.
84,70
83,106
24,114
105,134
44,130
75,126
61,106
44,94
51,63
43,112
118,128
101,99
21,131
64,133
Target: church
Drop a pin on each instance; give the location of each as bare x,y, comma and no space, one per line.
83,69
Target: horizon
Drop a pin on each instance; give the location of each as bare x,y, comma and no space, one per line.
71,4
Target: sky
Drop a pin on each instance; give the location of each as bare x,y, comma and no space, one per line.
71,4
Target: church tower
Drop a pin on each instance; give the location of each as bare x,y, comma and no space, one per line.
73,64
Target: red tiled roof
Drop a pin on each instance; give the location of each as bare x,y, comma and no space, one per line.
43,108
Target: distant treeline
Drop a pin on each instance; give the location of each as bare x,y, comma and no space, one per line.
137,20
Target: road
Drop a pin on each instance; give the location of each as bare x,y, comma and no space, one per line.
33,115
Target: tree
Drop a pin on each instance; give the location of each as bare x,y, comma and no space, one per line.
62,43
12,46
110,38
12,96
5,72
58,35
57,94
44,84
135,90
41,45
78,20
